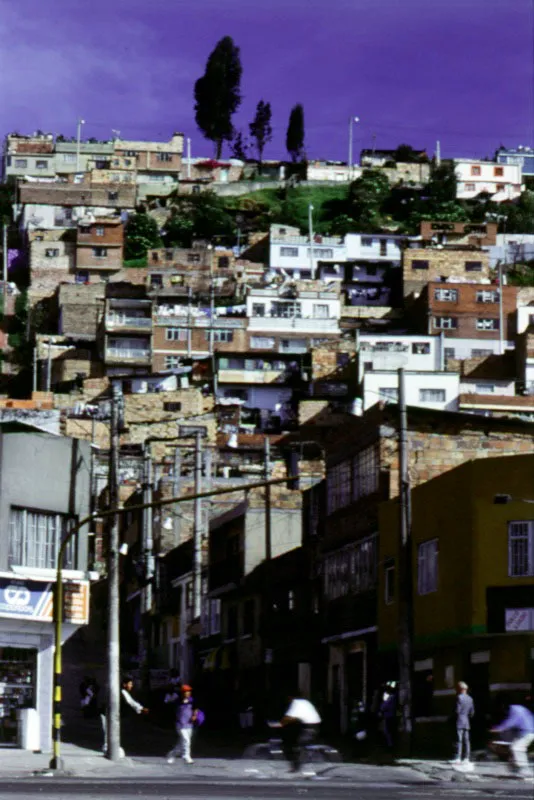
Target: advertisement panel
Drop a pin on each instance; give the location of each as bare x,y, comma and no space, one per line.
21,598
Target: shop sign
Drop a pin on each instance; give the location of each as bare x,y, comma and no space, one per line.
30,599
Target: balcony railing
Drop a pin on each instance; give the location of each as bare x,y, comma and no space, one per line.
144,323
127,354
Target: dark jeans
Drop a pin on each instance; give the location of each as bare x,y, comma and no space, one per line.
463,743
295,736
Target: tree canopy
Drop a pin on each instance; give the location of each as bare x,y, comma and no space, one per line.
218,93
261,129
295,133
141,234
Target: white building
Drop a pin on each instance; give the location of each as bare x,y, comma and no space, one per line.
338,171
502,181
376,247
288,310
437,390
511,248
290,251
381,352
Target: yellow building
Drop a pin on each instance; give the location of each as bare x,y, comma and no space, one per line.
473,586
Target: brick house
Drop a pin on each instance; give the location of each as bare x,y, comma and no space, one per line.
420,265
482,234
99,247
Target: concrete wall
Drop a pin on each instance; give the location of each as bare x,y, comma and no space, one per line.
286,531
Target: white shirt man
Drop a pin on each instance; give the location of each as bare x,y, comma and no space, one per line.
303,711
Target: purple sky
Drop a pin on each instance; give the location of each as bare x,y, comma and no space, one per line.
412,70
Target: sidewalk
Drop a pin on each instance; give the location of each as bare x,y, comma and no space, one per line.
90,764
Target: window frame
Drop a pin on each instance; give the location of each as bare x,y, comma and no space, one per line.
441,399
480,326
175,334
20,544
420,264
428,573
102,254
528,555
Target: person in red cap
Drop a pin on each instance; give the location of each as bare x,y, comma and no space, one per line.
185,719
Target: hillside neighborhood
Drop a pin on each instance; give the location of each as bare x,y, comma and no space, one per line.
253,317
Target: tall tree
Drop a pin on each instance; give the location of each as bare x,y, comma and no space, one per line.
260,128
218,93
295,133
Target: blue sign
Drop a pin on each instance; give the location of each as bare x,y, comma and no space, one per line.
26,598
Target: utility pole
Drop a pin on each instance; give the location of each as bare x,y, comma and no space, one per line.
78,142
197,539
49,367
188,157
352,120
4,259
267,596
34,376
405,574
267,477
501,313
113,715
148,558
438,153
310,234
176,476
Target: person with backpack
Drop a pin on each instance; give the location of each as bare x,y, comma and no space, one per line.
186,718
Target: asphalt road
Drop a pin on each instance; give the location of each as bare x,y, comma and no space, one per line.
54,789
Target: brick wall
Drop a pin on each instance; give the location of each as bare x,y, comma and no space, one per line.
81,309
64,260
466,310
447,262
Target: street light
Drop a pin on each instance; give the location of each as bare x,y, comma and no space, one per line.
310,234
352,120
78,138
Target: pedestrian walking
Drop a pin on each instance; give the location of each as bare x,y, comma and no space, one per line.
519,724
464,712
388,713
300,726
186,716
128,707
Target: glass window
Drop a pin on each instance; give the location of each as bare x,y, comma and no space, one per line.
320,311
487,296
35,538
446,295
172,362
473,266
286,310
21,163
261,342
176,334
289,252
163,156
41,164
520,549
432,395
99,230
445,323
339,486
487,324
388,393
418,263
52,252
100,252
258,309
421,348
367,241
475,170
220,336
365,466
427,567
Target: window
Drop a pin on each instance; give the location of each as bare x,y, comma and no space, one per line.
52,252
476,171
172,406
100,252
130,153
339,486
473,266
371,270
289,252
520,549
367,241
261,342
249,618
169,255
99,230
383,247
293,346
163,156
484,388
156,281
500,187
498,172
427,567
220,336
41,164
389,583
223,262
193,258
432,395
365,470
320,311
21,163
446,323
487,296
421,348
351,570
258,309
342,360
449,352
388,393
172,362
35,538
215,617
487,324
285,310
82,276
480,353
320,252
470,187
418,263
176,334
69,158
446,295
231,622
113,196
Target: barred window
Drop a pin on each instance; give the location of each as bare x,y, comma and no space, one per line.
520,549
352,570
339,486
35,538
365,470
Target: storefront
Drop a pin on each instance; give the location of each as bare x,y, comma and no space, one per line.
27,651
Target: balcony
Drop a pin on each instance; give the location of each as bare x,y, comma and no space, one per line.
312,325
254,376
128,355
125,322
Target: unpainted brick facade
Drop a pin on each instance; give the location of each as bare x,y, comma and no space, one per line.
472,303
100,245
425,264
